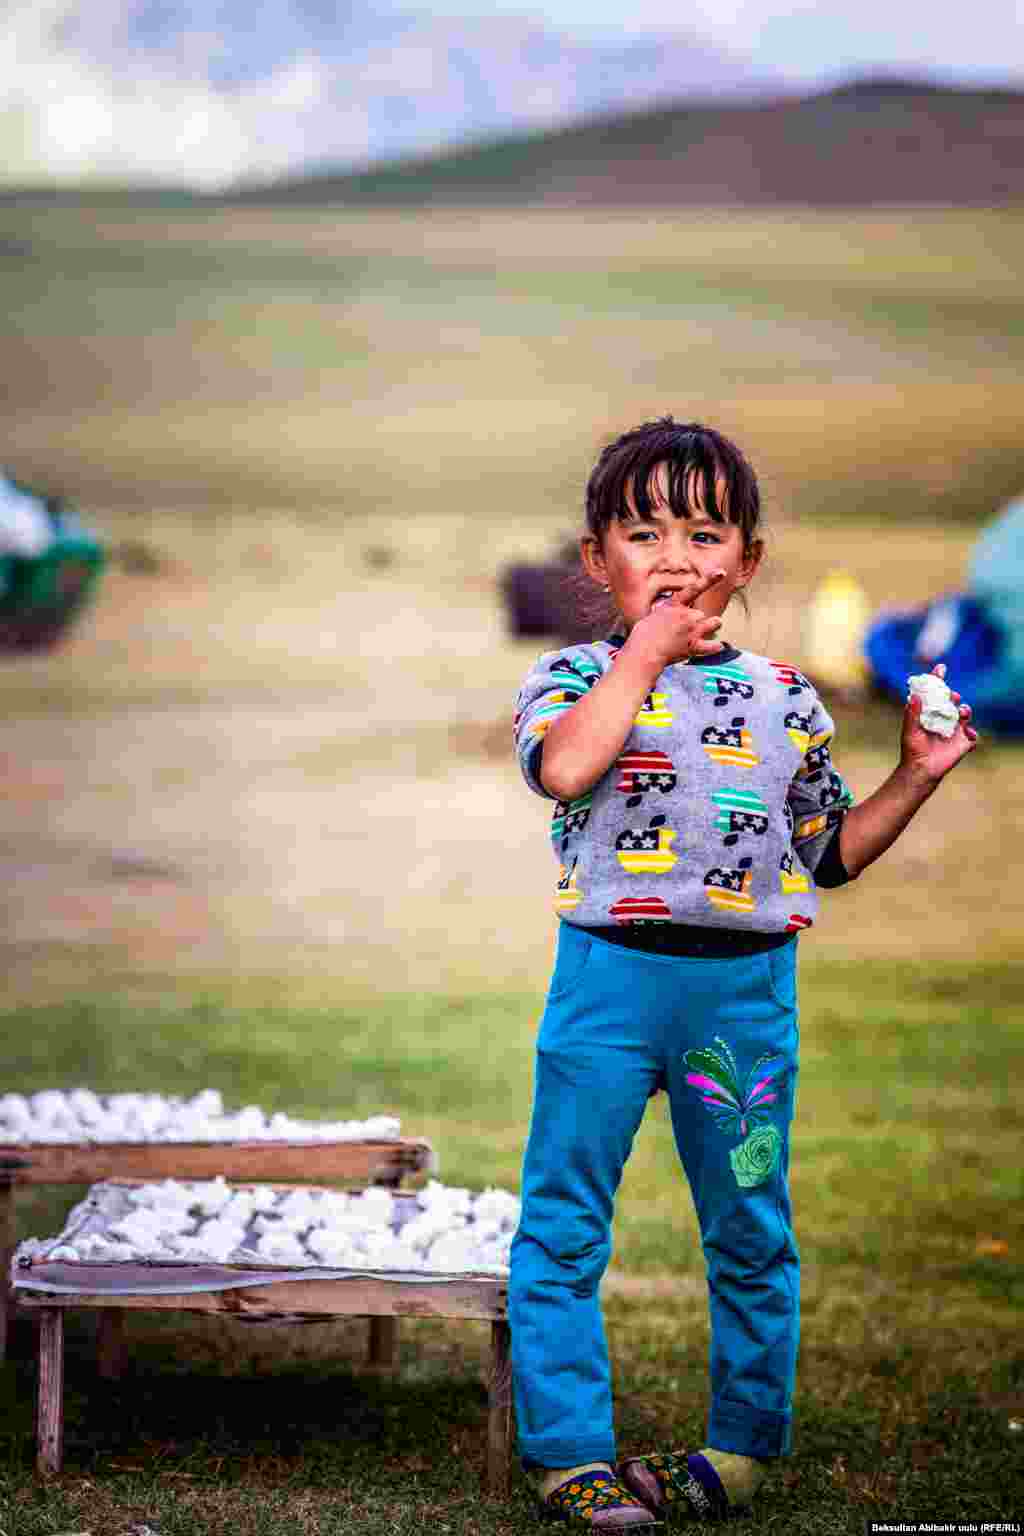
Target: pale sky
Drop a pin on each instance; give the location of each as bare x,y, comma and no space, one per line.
812,40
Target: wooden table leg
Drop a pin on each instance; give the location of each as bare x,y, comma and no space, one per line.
9,1170
499,1410
50,1392
111,1356
6,1251
383,1352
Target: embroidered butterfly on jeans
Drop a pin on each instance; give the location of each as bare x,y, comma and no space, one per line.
739,1108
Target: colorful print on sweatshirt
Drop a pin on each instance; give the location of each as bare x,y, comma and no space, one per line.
834,791
641,773
569,816
654,711
813,826
740,812
731,745
793,681
792,881
726,683
554,705
717,807
576,675
636,911
567,893
646,850
728,888
798,727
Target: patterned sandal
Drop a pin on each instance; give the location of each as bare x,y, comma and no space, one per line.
677,1486
594,1501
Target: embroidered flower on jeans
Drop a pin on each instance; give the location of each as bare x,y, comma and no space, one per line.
756,1159
739,1106
732,1104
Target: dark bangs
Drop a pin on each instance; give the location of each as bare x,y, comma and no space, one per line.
695,456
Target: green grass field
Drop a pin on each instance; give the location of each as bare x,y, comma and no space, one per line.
907,1190
261,829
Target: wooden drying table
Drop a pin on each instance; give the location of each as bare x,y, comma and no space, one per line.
48,1289
379,1162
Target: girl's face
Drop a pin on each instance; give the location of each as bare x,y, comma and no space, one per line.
644,561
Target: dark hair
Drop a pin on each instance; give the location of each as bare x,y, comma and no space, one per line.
697,458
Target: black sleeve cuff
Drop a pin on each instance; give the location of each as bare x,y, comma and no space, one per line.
831,870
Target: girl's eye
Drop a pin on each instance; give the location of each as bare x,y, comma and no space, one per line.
642,535
705,533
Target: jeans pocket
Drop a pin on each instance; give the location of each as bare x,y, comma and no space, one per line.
573,953
782,976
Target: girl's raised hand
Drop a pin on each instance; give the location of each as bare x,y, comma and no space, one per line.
929,756
675,630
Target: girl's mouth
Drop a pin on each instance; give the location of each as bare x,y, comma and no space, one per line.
664,596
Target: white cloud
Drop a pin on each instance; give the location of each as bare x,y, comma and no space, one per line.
61,118
298,87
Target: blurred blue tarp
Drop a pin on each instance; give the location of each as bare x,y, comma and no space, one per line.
979,634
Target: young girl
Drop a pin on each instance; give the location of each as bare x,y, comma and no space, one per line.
697,812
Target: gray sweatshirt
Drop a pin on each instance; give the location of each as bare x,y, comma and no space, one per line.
719,807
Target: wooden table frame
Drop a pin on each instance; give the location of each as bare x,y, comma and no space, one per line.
478,1297
384,1162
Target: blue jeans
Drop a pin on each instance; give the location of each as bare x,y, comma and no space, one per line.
721,1036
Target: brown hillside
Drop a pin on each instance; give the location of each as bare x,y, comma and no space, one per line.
873,142
863,145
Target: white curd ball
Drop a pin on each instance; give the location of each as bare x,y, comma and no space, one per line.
88,1106
212,1196
334,1204
499,1205
168,1194
451,1254
47,1104
332,1249
298,1207
15,1108
283,1247
374,1205
92,1246
939,714
207,1102
83,1115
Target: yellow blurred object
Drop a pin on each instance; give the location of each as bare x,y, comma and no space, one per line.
834,630
992,1247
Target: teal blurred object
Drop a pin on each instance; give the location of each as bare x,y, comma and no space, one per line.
995,579
50,564
977,634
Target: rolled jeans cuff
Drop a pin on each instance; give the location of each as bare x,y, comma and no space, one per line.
563,1453
749,1431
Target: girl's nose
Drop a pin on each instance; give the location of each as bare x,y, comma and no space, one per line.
676,556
